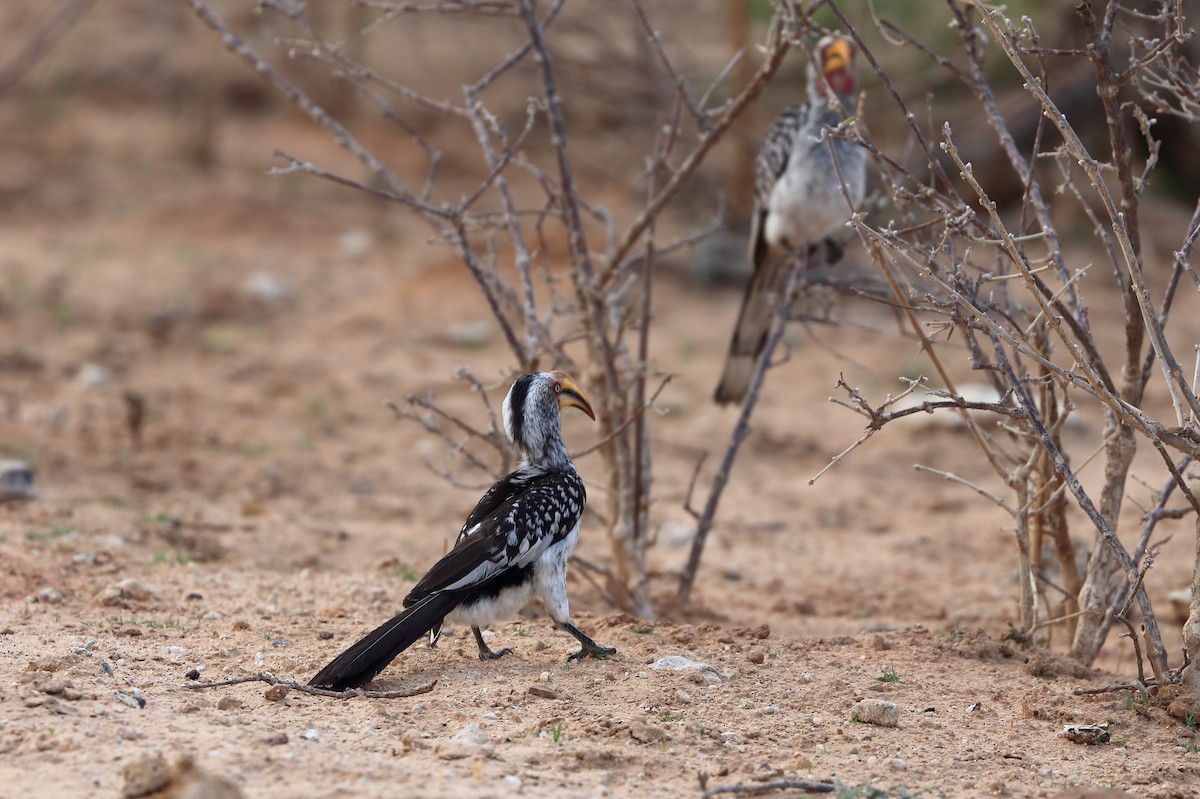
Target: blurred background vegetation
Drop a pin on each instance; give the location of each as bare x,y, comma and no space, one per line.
77,75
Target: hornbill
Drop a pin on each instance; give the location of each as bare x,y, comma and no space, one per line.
801,190
514,544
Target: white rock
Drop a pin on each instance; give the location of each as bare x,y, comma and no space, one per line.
49,596
876,711
471,334
311,734
267,287
126,593
1181,603
680,663
677,534
471,734
355,243
92,375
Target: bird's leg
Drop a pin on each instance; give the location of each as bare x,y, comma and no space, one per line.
590,648
484,652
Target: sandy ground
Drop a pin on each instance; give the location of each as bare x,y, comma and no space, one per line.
274,511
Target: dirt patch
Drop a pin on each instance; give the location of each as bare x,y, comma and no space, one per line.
269,510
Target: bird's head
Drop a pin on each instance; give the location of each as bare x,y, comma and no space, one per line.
531,415
838,72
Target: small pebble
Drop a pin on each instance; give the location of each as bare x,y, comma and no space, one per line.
92,375
49,596
131,700
126,593
311,735
325,635
677,534
355,243
545,676
756,657
545,693
470,335
470,734
146,775
193,674
228,703
276,739
876,711
704,671
267,287
276,693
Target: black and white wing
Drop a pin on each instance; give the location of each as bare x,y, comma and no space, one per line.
510,534
754,318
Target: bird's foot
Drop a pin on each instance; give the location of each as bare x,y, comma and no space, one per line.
590,648
487,654
595,650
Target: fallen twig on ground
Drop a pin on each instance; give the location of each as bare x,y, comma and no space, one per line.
778,785
310,689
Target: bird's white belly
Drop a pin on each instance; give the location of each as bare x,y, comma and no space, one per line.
802,210
506,605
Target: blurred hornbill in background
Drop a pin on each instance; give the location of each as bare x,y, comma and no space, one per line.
803,180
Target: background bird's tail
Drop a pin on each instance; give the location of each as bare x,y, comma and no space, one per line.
359,664
750,334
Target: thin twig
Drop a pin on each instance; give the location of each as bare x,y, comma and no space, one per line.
313,690
42,42
779,785
741,429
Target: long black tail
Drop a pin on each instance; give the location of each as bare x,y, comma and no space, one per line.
750,333
359,664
